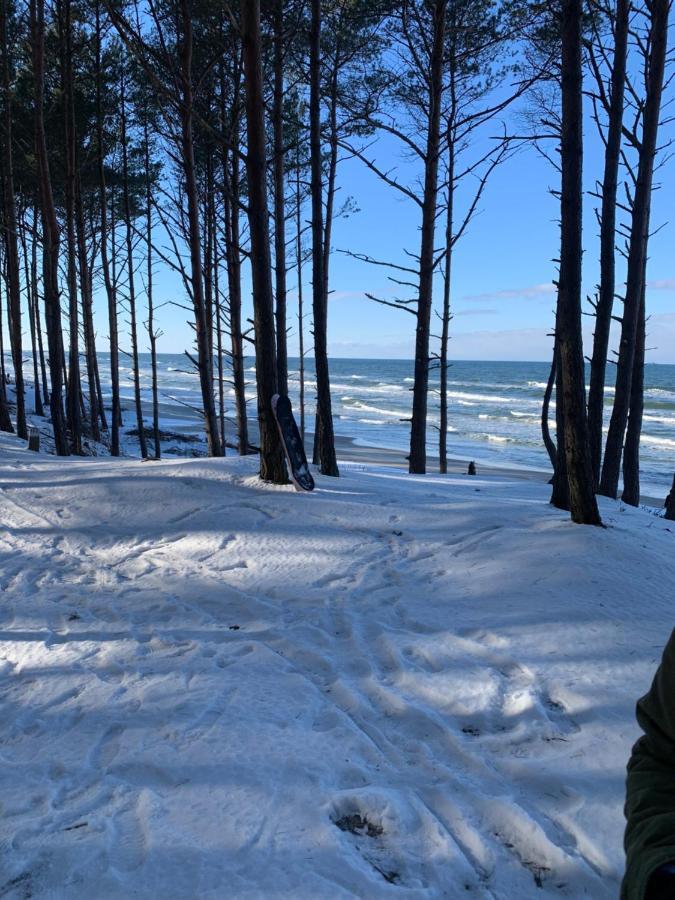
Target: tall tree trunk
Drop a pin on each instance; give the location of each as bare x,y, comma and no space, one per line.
96,410
36,304
231,202
111,293
606,288
301,324
11,234
73,389
64,370
545,407
583,505
272,463
115,267
631,450
194,233
233,261
418,430
131,277
5,419
219,328
37,396
3,371
325,439
50,232
207,248
560,494
445,316
149,274
279,198
212,289
637,252
327,235
97,371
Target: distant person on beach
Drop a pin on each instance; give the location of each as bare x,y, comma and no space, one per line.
650,792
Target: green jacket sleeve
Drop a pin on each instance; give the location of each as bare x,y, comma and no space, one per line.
650,786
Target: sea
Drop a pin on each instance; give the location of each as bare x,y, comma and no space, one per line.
494,408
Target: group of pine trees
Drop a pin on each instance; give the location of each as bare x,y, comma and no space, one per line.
625,46
206,136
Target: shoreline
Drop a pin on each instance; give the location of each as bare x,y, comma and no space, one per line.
351,452
347,448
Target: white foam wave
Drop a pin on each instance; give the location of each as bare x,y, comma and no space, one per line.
657,441
661,420
480,398
359,406
660,394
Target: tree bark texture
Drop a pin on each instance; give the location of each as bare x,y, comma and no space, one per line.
606,288
324,438
418,430
583,505
272,462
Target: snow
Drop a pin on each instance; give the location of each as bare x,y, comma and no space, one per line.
394,686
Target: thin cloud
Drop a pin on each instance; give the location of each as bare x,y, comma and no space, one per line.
477,312
662,284
527,293
346,295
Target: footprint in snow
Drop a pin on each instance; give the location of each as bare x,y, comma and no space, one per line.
363,828
326,720
558,715
108,747
129,846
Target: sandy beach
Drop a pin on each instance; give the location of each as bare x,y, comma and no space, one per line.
349,451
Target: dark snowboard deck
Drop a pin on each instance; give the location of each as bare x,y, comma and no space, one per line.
292,443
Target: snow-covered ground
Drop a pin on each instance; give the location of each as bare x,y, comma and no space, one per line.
393,687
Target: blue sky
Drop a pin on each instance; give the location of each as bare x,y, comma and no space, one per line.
503,298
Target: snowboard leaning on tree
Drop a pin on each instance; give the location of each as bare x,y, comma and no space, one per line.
292,444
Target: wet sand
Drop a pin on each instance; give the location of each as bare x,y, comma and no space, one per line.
351,452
